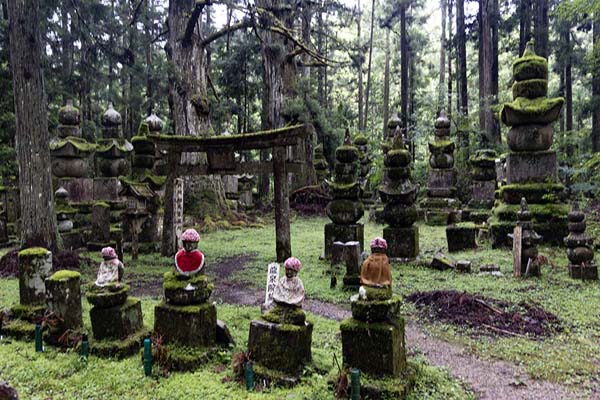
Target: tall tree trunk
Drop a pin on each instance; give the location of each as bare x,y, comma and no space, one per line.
38,220
67,49
190,108
568,82
540,31
149,33
367,92
461,55
494,23
486,67
403,70
596,91
442,81
310,175
525,11
321,70
449,107
360,69
386,82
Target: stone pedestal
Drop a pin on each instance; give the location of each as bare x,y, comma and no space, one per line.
106,189
461,237
63,298
589,272
280,347
192,325
531,166
342,233
35,265
117,322
402,242
79,189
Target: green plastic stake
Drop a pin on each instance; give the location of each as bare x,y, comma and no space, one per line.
249,374
38,338
84,351
355,384
147,357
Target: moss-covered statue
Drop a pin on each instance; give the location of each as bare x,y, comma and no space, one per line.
111,269
189,260
375,271
290,290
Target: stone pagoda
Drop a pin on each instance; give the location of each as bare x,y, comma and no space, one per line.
580,250
320,164
113,150
531,169
365,160
483,175
346,209
441,191
399,194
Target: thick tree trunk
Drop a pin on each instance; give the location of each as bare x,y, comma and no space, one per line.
190,107
38,220
403,70
568,82
524,24
540,30
368,91
596,92
461,55
442,81
360,70
449,107
487,125
386,82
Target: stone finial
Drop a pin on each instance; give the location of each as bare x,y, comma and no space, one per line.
576,215
394,122
442,121
154,123
529,48
347,137
524,214
69,114
111,117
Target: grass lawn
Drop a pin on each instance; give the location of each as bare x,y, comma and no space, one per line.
570,357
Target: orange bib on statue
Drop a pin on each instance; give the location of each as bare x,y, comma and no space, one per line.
375,271
189,262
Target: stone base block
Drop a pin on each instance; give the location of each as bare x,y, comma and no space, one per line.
584,273
479,216
531,166
483,190
441,178
19,329
351,281
437,217
184,358
106,188
72,240
191,325
461,237
110,348
552,233
281,347
343,233
35,265
378,310
80,189
402,242
117,322
376,349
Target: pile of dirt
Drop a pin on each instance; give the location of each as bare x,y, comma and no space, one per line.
486,314
310,200
64,259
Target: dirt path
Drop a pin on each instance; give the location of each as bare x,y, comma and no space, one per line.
494,380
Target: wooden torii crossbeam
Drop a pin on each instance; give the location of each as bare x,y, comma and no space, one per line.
220,151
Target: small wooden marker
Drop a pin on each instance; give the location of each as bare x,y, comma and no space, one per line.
517,235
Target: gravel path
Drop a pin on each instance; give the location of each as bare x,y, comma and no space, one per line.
493,380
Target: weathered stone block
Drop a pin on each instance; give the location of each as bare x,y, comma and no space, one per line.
106,189
529,167
117,322
80,189
483,190
281,347
63,298
101,222
374,348
461,237
35,265
109,296
441,178
402,242
463,266
342,233
378,310
191,325
184,290
442,262
437,217
589,272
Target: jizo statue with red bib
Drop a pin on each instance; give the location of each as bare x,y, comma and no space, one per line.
189,260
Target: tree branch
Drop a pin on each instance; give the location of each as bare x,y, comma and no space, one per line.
246,23
189,29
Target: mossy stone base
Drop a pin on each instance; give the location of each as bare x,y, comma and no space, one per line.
35,265
531,166
382,387
29,313
19,329
273,377
376,349
191,325
402,242
111,295
343,233
552,232
280,347
460,238
479,216
117,322
437,217
184,290
121,348
184,359
376,311
284,314
589,272
536,193
63,298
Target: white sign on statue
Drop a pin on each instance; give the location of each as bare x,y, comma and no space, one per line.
272,278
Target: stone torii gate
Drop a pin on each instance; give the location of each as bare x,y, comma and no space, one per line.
220,151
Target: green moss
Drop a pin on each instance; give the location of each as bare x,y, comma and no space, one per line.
353,325
175,281
440,144
119,348
101,204
285,315
64,275
106,145
189,309
184,358
19,329
465,225
66,209
33,252
156,180
79,143
382,293
144,129
530,88
361,140
539,211
27,312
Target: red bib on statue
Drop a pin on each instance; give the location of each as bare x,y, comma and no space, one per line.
189,262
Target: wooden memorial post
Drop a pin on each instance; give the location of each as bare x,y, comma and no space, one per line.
517,248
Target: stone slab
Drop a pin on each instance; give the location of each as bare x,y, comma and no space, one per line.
191,325
534,166
117,322
483,190
441,178
402,242
584,273
343,233
107,189
80,189
461,238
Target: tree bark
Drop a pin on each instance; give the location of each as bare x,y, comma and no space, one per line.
442,80
461,55
487,125
524,24
596,91
449,46
368,90
386,83
568,82
360,71
403,71
38,220
540,31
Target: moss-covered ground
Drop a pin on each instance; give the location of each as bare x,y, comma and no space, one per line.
571,357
